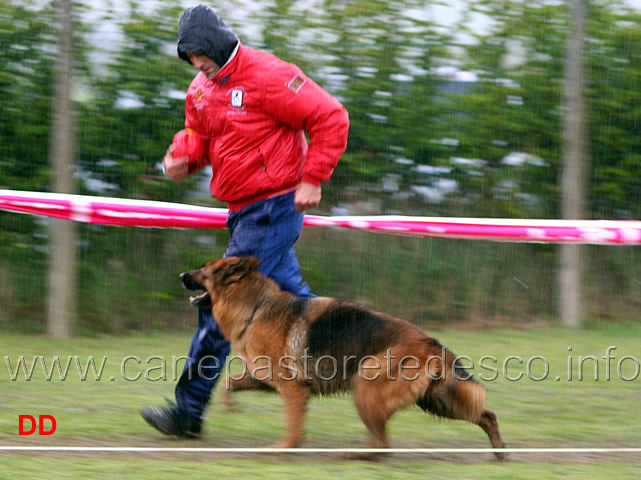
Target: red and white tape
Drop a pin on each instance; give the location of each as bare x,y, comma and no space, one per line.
144,213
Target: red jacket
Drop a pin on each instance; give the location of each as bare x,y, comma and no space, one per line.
254,114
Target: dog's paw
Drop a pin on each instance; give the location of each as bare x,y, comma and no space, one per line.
366,456
283,444
502,456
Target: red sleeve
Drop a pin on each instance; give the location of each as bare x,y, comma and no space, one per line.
192,141
296,100
189,143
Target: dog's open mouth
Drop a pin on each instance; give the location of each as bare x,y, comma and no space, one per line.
190,284
200,300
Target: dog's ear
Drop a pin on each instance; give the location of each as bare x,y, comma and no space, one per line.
252,263
238,268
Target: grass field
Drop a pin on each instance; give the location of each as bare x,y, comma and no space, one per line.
550,405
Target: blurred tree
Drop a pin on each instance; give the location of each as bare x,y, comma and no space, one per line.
613,83
25,92
26,66
514,108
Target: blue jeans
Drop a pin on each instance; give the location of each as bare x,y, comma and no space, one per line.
267,230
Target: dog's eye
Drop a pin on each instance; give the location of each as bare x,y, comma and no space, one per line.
207,272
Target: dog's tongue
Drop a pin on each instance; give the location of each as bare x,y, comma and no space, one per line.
200,300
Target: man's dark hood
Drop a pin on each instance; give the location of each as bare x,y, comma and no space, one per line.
202,31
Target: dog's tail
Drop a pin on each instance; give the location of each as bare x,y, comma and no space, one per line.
452,392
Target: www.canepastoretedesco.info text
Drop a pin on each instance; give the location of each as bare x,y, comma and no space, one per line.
611,365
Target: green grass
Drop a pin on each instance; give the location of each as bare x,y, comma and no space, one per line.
546,413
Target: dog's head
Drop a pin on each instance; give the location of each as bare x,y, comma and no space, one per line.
216,274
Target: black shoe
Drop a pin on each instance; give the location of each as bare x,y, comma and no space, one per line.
172,421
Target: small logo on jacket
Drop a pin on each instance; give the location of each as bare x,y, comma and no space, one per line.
236,98
199,104
296,82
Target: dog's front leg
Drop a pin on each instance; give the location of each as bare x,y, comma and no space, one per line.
295,396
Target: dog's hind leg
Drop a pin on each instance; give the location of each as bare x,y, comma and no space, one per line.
463,400
374,415
375,423
490,425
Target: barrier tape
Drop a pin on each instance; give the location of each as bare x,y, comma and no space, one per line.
145,213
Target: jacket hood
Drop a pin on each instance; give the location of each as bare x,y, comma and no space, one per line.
202,31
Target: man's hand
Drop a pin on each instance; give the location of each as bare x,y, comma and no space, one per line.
307,196
175,168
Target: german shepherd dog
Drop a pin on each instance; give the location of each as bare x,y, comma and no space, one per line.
303,346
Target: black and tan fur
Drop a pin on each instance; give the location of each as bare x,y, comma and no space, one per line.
262,322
